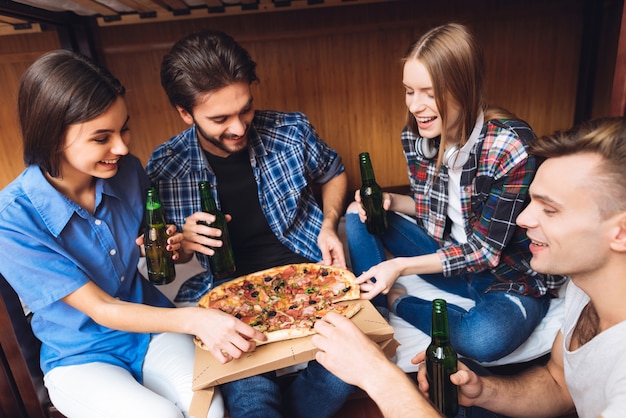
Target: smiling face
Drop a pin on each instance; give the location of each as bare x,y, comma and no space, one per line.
93,148
420,100
223,119
568,232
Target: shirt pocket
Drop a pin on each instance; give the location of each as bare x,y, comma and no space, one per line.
480,193
287,202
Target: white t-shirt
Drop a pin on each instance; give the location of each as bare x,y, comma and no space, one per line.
454,205
596,372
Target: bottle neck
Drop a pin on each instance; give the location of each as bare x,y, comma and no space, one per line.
154,212
440,331
367,171
207,201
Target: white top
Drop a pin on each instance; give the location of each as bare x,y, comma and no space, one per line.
454,205
596,372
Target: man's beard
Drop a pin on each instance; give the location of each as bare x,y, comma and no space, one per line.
216,141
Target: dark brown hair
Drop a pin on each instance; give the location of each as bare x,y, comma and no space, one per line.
60,89
201,63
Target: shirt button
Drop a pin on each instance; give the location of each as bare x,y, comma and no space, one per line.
122,278
98,222
277,121
112,252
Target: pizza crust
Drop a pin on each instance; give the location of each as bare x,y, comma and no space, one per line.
292,333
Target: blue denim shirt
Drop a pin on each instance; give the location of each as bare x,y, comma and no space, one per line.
286,156
53,246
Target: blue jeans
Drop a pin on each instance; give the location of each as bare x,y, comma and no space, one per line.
497,324
314,393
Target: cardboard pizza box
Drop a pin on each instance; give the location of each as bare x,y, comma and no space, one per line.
208,372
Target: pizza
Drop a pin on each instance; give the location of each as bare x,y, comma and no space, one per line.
284,302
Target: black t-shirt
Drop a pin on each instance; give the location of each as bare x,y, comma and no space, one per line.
254,244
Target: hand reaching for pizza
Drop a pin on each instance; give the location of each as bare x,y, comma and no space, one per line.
387,272
379,279
223,335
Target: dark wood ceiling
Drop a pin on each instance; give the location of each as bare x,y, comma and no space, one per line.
27,15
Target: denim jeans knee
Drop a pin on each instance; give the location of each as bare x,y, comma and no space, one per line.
253,397
498,323
316,386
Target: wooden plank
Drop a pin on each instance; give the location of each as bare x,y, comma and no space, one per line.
151,5
7,29
618,93
263,6
12,20
214,3
176,4
99,8
129,19
143,6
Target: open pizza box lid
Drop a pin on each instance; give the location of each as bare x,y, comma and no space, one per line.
208,372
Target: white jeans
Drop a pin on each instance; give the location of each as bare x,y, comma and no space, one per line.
95,390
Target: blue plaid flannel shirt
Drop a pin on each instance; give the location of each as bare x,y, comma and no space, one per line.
286,155
494,190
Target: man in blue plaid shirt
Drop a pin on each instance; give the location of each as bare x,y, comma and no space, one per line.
262,166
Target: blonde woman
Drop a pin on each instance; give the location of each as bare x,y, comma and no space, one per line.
469,171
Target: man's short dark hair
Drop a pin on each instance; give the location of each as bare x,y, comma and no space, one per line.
201,63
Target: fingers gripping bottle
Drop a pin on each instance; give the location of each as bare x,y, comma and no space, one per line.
441,360
159,261
372,197
222,263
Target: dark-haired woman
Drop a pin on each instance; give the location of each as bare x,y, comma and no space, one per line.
112,344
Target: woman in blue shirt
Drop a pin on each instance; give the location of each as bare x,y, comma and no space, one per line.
112,344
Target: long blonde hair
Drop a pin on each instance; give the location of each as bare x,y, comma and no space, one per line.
454,61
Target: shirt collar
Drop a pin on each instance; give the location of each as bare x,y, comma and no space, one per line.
54,208
255,144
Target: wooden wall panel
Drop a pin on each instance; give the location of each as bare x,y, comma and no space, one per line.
341,66
17,53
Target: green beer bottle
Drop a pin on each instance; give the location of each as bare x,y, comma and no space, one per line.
441,362
372,197
159,261
222,263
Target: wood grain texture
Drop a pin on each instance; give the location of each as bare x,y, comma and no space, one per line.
341,67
